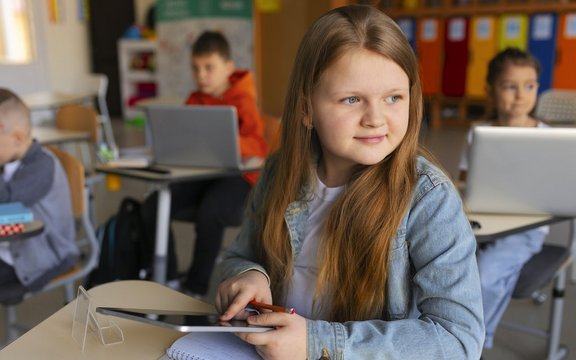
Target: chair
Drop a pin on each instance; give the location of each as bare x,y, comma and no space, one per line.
548,265
100,83
557,106
89,246
83,118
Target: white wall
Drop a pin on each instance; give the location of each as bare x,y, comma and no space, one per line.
62,54
67,49
141,9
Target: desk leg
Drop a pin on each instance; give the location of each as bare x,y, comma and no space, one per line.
573,249
162,228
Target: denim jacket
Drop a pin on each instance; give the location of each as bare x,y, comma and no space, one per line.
434,309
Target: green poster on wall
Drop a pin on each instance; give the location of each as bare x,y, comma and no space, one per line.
174,10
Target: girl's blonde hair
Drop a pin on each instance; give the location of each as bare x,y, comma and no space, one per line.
362,224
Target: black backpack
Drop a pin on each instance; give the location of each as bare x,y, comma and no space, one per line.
125,250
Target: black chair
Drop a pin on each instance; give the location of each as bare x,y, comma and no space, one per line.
547,266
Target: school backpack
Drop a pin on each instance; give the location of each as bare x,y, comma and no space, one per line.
125,250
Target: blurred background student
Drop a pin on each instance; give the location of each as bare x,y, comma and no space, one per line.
512,87
219,202
33,176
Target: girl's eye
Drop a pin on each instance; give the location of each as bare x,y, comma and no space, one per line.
392,99
531,86
508,87
351,100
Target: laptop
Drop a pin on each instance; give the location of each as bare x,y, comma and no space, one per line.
196,136
522,171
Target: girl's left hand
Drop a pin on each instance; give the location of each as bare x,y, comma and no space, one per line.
287,341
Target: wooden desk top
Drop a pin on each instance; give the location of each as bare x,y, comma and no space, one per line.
498,225
50,136
52,339
174,174
51,100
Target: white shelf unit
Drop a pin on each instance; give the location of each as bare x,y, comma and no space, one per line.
133,74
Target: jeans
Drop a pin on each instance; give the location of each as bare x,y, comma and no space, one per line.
500,264
216,204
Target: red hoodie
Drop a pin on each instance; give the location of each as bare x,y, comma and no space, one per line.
242,95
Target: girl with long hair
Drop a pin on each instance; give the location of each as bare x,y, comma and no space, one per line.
351,223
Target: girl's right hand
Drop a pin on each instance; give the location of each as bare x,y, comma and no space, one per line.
235,293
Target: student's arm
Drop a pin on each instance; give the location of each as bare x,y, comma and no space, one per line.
240,256
31,181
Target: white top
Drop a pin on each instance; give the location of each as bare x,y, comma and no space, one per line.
5,253
300,293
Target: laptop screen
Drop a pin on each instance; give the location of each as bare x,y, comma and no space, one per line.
522,171
200,136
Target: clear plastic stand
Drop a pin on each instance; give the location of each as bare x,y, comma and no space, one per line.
85,320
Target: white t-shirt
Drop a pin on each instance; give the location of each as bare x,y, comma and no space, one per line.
300,293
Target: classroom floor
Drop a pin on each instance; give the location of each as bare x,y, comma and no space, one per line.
445,144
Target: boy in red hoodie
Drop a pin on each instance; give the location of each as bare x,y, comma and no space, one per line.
219,202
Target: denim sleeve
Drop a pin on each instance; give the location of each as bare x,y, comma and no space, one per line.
444,285
240,256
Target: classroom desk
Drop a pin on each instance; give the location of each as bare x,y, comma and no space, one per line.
497,225
53,136
162,183
52,100
52,339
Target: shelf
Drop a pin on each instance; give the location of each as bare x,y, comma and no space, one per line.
138,78
446,9
140,75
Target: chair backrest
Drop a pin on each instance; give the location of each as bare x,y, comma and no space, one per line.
100,82
75,173
79,118
79,196
557,106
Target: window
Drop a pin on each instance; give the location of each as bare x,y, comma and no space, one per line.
15,34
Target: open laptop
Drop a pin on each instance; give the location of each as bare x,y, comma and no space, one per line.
198,136
522,171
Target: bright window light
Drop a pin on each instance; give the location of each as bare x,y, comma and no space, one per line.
15,34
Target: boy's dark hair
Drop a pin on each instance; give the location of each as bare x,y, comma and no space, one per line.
509,56
210,42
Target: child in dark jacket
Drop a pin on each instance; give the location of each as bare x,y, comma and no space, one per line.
33,176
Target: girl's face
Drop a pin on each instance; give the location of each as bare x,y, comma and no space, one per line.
361,111
515,92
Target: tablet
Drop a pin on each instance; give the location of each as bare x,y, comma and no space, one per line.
183,321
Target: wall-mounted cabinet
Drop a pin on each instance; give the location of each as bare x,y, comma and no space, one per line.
138,76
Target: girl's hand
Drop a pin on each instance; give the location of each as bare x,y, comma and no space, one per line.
288,341
235,293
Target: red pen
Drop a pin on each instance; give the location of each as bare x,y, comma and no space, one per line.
274,308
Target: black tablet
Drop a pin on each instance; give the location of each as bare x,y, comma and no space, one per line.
182,321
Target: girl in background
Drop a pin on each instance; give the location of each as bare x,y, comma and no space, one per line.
512,86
